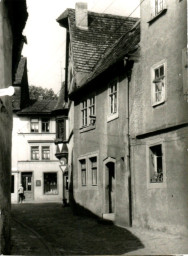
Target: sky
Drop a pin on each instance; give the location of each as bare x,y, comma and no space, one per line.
45,48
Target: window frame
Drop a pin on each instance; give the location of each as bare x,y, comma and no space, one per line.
57,187
47,121
88,113
31,153
35,122
149,145
81,172
91,168
42,151
110,93
154,80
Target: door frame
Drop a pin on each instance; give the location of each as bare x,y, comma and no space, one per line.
32,182
106,183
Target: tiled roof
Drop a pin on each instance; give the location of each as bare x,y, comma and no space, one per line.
39,107
124,45
20,71
88,46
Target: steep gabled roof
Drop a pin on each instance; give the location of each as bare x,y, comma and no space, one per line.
122,47
40,107
88,46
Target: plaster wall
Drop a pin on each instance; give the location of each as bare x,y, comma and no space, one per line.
5,129
106,140
164,207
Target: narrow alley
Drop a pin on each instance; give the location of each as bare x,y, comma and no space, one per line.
54,230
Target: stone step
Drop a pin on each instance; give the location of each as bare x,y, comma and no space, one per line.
109,216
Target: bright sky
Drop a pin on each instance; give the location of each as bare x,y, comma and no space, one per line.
45,50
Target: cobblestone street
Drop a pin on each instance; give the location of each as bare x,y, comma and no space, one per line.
50,229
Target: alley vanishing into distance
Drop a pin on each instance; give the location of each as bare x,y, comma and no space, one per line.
50,229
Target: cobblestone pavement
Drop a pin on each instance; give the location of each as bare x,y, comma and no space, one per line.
50,229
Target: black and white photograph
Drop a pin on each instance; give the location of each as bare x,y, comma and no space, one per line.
93,127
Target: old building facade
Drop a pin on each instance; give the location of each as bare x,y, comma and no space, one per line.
11,41
159,119
128,103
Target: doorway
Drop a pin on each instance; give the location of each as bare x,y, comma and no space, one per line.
27,183
109,186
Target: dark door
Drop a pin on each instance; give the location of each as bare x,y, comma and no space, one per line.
27,183
111,187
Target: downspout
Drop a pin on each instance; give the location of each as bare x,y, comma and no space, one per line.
128,65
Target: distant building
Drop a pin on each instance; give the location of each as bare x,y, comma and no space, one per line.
33,151
13,16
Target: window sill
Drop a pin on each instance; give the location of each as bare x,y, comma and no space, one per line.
158,103
112,117
156,185
87,128
157,16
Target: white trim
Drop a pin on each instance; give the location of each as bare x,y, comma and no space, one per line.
164,96
112,116
150,144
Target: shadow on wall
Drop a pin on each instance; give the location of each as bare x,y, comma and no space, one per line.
107,238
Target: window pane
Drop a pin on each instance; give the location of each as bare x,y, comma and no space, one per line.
156,167
34,125
35,153
45,125
50,184
45,152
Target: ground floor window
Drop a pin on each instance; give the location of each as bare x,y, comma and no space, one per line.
156,164
83,172
93,163
50,183
12,183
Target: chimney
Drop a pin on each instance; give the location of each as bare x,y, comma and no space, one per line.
81,15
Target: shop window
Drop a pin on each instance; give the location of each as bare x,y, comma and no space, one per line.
45,153
45,125
93,163
155,164
50,184
34,125
34,153
83,172
12,183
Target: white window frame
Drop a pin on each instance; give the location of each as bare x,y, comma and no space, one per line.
162,83
87,158
88,111
151,185
91,170
31,150
36,122
80,168
48,154
40,147
111,105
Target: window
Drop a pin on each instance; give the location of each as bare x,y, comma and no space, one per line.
45,125
61,129
34,125
34,153
84,113
50,183
92,110
93,162
113,101
155,164
83,172
12,183
158,83
113,98
159,6
45,153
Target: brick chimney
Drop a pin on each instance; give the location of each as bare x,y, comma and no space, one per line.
81,15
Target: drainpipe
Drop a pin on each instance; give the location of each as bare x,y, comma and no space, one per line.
128,65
